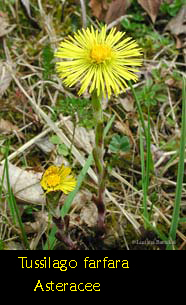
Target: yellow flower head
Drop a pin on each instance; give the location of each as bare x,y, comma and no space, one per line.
98,60
58,178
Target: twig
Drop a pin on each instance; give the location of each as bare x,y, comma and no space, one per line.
48,26
83,9
28,144
167,62
161,51
115,22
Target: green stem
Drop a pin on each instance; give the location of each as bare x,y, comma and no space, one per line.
143,171
98,152
52,201
149,161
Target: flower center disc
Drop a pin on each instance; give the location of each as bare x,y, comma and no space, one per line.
100,52
53,180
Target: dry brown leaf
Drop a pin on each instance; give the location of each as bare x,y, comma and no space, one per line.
177,24
84,211
7,127
83,139
171,82
99,8
25,185
117,8
89,215
41,219
109,10
151,7
5,28
82,197
45,145
127,103
178,43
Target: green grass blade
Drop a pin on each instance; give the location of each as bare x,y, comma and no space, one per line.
176,210
5,171
149,163
13,207
143,172
81,178
23,233
148,159
2,182
139,109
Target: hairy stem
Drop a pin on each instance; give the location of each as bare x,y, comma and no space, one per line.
98,152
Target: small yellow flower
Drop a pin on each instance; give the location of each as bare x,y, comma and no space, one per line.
99,61
58,178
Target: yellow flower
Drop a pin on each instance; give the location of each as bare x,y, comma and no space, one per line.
58,178
98,60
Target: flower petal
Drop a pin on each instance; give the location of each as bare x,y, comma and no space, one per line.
106,72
